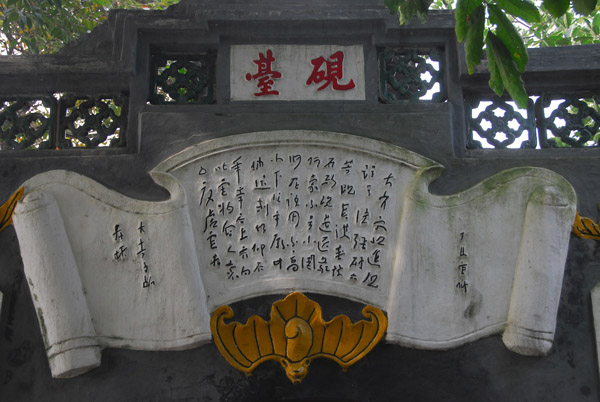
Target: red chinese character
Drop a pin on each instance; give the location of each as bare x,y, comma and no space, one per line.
265,74
333,72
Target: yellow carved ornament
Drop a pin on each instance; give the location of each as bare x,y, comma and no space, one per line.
7,209
586,228
295,335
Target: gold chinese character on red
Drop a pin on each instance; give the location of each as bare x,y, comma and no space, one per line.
265,74
331,74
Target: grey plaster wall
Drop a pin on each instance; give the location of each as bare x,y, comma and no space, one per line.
117,57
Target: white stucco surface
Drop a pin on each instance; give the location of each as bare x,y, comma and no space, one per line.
595,296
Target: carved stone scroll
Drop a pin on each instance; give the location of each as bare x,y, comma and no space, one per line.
283,211
495,253
105,270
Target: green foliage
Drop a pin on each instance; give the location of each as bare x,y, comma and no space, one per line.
464,10
503,70
522,9
584,7
570,29
556,8
474,38
509,36
508,27
409,8
496,82
43,26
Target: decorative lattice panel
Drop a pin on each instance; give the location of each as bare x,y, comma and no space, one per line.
568,121
183,79
499,124
27,123
90,122
411,75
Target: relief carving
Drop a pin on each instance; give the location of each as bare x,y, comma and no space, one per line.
285,211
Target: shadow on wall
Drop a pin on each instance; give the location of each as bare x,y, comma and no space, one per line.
312,400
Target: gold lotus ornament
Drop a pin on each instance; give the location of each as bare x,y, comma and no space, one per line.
295,335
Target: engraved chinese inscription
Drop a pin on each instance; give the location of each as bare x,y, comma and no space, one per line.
135,248
327,215
275,72
463,264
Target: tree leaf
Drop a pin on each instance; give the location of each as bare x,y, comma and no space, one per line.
511,78
22,20
509,36
462,14
584,7
522,9
596,24
568,18
392,5
495,81
409,8
406,11
474,38
557,40
423,9
556,8
32,45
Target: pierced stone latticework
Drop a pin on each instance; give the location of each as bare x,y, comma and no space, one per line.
90,122
183,79
556,121
27,123
500,125
411,75
567,121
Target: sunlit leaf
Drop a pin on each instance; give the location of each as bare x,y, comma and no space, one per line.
596,24
523,9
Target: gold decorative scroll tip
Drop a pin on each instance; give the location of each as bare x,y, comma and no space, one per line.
586,228
8,208
295,335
